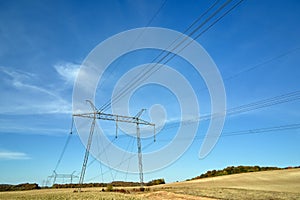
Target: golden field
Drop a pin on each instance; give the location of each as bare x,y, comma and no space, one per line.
277,184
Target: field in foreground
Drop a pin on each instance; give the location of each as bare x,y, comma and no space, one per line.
278,184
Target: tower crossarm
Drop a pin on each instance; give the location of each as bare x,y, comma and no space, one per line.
114,117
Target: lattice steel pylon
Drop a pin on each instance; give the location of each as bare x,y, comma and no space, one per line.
55,176
96,114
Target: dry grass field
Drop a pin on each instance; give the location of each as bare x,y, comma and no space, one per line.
278,184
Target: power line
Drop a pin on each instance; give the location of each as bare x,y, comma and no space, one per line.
255,66
122,162
262,63
246,132
240,109
141,33
292,96
263,130
144,76
65,146
100,164
138,79
114,118
259,64
106,147
173,55
156,13
225,134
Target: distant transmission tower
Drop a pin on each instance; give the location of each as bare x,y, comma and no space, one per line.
96,114
56,176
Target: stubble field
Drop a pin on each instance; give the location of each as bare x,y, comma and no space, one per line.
278,184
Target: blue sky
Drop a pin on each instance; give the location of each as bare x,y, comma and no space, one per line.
43,43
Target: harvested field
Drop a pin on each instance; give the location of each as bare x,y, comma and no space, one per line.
278,184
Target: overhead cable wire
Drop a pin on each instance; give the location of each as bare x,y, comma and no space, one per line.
227,134
244,132
131,150
245,108
122,162
281,55
65,146
141,33
288,97
124,153
144,76
257,65
174,55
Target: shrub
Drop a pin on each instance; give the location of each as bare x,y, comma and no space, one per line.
109,188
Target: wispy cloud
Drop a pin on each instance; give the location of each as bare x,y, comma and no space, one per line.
23,95
68,71
13,155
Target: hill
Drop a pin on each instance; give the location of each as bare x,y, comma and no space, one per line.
274,184
237,170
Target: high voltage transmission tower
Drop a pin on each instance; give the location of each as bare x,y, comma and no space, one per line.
56,176
96,114
215,17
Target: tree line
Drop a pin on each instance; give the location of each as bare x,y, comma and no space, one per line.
33,186
19,187
114,184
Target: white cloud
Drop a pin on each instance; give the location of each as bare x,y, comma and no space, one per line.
68,71
12,155
17,74
24,96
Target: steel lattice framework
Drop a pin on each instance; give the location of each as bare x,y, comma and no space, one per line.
96,114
